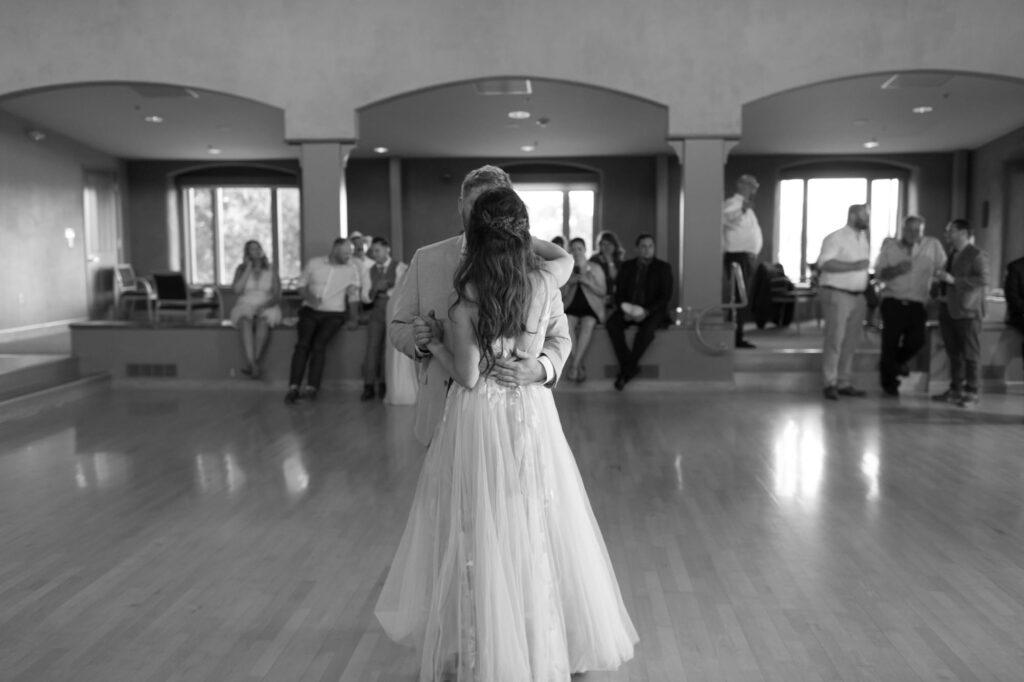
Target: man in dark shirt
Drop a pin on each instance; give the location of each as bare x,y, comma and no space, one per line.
643,290
1013,288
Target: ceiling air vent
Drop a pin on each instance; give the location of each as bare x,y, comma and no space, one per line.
504,86
905,81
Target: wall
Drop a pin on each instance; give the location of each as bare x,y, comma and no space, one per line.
931,178
993,168
43,280
327,58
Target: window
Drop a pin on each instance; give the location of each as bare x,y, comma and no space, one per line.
811,207
565,209
219,220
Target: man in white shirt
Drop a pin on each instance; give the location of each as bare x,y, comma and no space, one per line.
843,265
360,249
330,288
378,286
906,267
741,242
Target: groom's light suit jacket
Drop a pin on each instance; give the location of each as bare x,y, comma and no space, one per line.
428,286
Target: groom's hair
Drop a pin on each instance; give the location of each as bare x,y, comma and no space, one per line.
490,177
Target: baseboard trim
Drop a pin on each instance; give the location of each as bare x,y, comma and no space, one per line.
27,332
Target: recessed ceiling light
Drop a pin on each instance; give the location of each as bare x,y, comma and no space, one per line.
381,150
213,150
923,110
870,144
528,147
519,115
153,118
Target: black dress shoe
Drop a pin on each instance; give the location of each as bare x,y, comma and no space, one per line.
382,391
904,369
742,343
620,382
890,389
292,396
831,393
852,392
368,393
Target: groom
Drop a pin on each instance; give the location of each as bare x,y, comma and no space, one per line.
423,300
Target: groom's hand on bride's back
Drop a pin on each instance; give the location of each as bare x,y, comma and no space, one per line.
520,370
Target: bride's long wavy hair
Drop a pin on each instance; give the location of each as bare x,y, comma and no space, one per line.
495,270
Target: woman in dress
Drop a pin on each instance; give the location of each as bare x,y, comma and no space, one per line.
256,309
583,297
609,257
502,573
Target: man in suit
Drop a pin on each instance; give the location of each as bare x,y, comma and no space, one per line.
378,286
422,302
961,310
642,293
1013,287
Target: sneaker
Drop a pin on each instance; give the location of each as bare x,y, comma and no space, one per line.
949,396
292,396
852,392
368,393
968,399
831,393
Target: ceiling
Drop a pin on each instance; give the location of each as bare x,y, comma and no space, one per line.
565,119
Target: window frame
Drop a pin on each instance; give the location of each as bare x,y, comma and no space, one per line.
867,171
565,187
217,184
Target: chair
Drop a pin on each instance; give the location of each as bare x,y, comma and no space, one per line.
129,289
173,293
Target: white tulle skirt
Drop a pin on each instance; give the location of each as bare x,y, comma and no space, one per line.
502,574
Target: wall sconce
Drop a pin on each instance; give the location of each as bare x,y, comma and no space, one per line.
69,234
36,135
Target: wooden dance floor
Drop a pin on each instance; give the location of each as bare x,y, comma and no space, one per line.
212,533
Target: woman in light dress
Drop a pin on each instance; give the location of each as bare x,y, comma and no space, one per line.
502,574
257,310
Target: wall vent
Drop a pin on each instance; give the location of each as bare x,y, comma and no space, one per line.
164,371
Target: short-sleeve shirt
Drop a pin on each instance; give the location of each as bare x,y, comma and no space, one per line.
330,281
926,256
740,230
845,244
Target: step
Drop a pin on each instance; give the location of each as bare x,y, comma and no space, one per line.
760,361
56,395
23,374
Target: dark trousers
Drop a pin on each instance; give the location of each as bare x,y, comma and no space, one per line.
629,360
963,347
746,261
903,335
316,329
376,333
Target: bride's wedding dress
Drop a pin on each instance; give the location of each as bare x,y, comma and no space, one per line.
502,573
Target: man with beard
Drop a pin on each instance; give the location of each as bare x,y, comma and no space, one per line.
843,264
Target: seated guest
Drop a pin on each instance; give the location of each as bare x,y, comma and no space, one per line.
558,241
330,288
583,296
1013,288
256,309
378,286
642,294
609,256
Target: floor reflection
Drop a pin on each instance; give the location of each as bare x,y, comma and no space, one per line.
799,459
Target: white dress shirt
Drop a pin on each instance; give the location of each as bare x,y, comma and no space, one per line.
845,244
740,230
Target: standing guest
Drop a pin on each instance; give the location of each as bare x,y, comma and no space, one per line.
330,289
256,310
583,296
741,243
423,301
399,369
378,286
1013,287
609,256
961,311
642,294
843,279
906,267
559,241
360,257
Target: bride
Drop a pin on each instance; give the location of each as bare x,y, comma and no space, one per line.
502,573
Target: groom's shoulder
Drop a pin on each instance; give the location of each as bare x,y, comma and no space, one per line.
438,249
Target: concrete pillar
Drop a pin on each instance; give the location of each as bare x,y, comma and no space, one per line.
324,210
701,211
396,233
